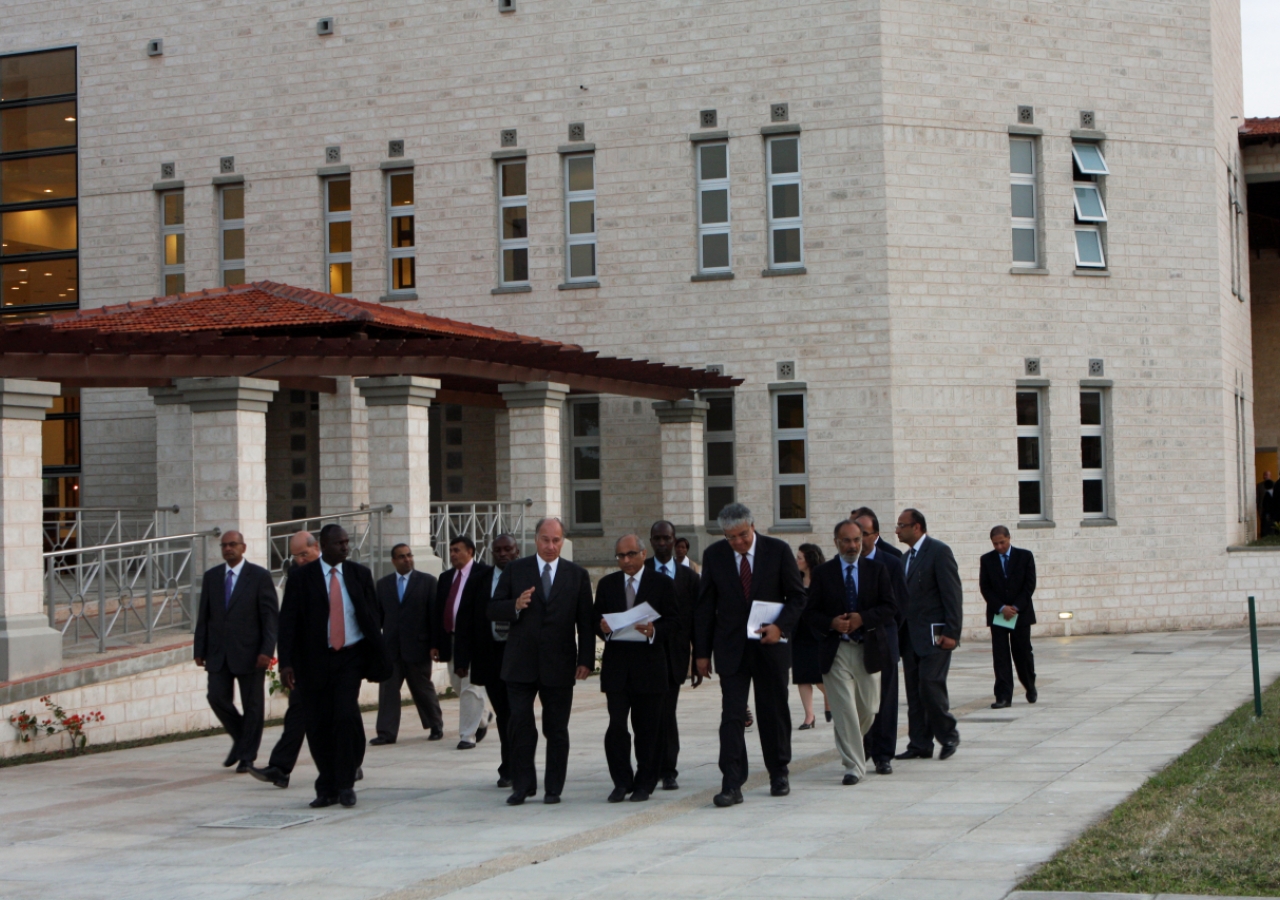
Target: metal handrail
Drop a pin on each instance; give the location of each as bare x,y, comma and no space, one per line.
213,532
366,543
482,522
70,526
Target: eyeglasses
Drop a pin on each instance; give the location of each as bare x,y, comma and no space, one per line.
628,555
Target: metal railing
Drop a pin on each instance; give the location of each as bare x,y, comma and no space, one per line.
482,522
125,589
363,526
92,526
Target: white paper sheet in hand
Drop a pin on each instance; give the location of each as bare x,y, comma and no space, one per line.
762,613
622,624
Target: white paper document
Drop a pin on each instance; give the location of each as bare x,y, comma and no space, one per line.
622,624
762,613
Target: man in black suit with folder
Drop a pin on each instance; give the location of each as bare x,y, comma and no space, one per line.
405,597
679,641
744,567
1007,578
547,600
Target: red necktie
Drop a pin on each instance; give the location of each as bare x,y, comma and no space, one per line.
337,619
744,572
453,597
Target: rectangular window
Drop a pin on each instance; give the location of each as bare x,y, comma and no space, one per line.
580,216
513,228
231,228
713,208
400,233
173,242
1031,449
1089,167
60,434
1093,465
783,183
39,245
1024,202
721,468
584,447
337,235
790,470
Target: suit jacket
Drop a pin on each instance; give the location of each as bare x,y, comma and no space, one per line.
474,648
237,635
406,625
897,578
883,546
540,646
876,605
636,667
934,596
304,620
679,641
473,592
1015,590
720,618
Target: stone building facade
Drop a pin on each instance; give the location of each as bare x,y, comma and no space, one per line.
915,284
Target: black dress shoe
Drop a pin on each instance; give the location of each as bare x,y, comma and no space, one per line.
1002,704
483,729
550,799
232,758
850,779
639,795
1032,695
243,767
915,754
380,741
750,721
271,775
780,788
805,726
323,800
827,713
466,745
948,751
670,784
727,798
516,799
347,797
617,795
359,773
884,767
504,782
437,734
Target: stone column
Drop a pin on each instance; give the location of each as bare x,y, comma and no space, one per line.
533,428
229,456
175,460
399,450
28,646
681,425
344,449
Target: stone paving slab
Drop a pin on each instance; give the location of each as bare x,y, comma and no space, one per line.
431,822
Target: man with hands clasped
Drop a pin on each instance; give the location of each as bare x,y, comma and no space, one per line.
1007,578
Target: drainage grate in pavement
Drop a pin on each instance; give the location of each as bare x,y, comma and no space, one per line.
269,821
993,720
121,782
1153,653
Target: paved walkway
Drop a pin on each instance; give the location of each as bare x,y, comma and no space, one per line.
431,823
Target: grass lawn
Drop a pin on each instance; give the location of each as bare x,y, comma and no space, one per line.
1208,824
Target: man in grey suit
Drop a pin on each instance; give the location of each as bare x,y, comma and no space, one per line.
406,597
236,629
934,609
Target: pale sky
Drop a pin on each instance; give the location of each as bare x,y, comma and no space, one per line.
1260,21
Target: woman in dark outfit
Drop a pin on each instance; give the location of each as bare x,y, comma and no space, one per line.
806,666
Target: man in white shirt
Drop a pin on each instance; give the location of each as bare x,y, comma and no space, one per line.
457,591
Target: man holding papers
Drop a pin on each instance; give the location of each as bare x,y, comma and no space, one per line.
1007,577
743,568
634,607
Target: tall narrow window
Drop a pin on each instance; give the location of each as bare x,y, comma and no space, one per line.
337,234
1089,168
1022,188
400,234
785,225
231,227
1030,456
1093,463
584,442
713,208
513,231
173,241
721,474
580,216
61,451
791,471
38,186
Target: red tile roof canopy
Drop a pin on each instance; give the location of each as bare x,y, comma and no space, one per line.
300,336
1259,131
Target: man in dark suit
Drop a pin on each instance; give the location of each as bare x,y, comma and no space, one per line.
1007,578
331,640
235,633
461,586
547,601
1266,503
679,643
850,603
633,671
744,567
934,609
881,743
480,646
406,597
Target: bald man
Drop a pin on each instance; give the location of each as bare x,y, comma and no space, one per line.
236,628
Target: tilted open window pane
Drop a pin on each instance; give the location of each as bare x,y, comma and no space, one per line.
1089,159
1089,248
1088,200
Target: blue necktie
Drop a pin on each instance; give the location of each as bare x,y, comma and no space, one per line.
850,591
229,586
404,582
662,567
1004,564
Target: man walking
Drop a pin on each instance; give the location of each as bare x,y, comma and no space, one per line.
406,597
745,567
236,628
679,644
463,587
547,601
1007,578
934,609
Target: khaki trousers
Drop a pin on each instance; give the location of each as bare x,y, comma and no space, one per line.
854,695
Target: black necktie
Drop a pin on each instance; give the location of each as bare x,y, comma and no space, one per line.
546,581
911,554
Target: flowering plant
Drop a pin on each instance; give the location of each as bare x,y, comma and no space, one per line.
274,684
28,726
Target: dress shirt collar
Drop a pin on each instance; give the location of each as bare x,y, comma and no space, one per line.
871,555
636,576
750,554
461,575
325,568
236,569
919,545
542,564
670,566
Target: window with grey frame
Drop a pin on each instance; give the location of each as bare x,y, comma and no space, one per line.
1093,453
173,242
580,217
584,473
401,241
1025,202
1031,452
1089,168
786,226
337,234
713,208
513,228
231,233
720,463
790,457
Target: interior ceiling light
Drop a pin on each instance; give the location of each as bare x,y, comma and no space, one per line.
69,119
